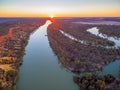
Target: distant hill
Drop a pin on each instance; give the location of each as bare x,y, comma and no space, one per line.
3,20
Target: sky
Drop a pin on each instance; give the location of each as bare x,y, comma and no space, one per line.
60,8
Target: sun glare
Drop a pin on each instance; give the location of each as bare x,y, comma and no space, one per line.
51,16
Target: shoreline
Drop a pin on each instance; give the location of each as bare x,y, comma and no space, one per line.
76,56
13,47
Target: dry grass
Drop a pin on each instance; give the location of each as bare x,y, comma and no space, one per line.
5,67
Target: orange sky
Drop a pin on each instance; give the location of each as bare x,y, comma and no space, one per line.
67,8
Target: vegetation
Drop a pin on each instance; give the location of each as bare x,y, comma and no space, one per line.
90,57
12,44
76,56
94,82
112,30
79,31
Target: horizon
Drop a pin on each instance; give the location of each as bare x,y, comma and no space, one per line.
68,8
64,17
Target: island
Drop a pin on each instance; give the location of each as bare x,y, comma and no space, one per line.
85,45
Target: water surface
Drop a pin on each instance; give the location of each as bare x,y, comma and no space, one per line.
41,69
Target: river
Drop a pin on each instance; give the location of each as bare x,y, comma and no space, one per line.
41,69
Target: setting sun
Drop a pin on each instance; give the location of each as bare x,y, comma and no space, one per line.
51,16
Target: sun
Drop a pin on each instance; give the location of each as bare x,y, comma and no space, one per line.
51,16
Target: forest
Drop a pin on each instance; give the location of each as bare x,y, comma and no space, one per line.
76,56
90,57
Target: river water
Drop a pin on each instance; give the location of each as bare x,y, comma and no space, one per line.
41,69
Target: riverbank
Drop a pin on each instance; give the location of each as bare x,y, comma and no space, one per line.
12,45
81,51
77,56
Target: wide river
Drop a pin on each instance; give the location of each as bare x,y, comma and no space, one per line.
41,69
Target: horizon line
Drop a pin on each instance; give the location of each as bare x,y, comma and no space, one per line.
60,17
